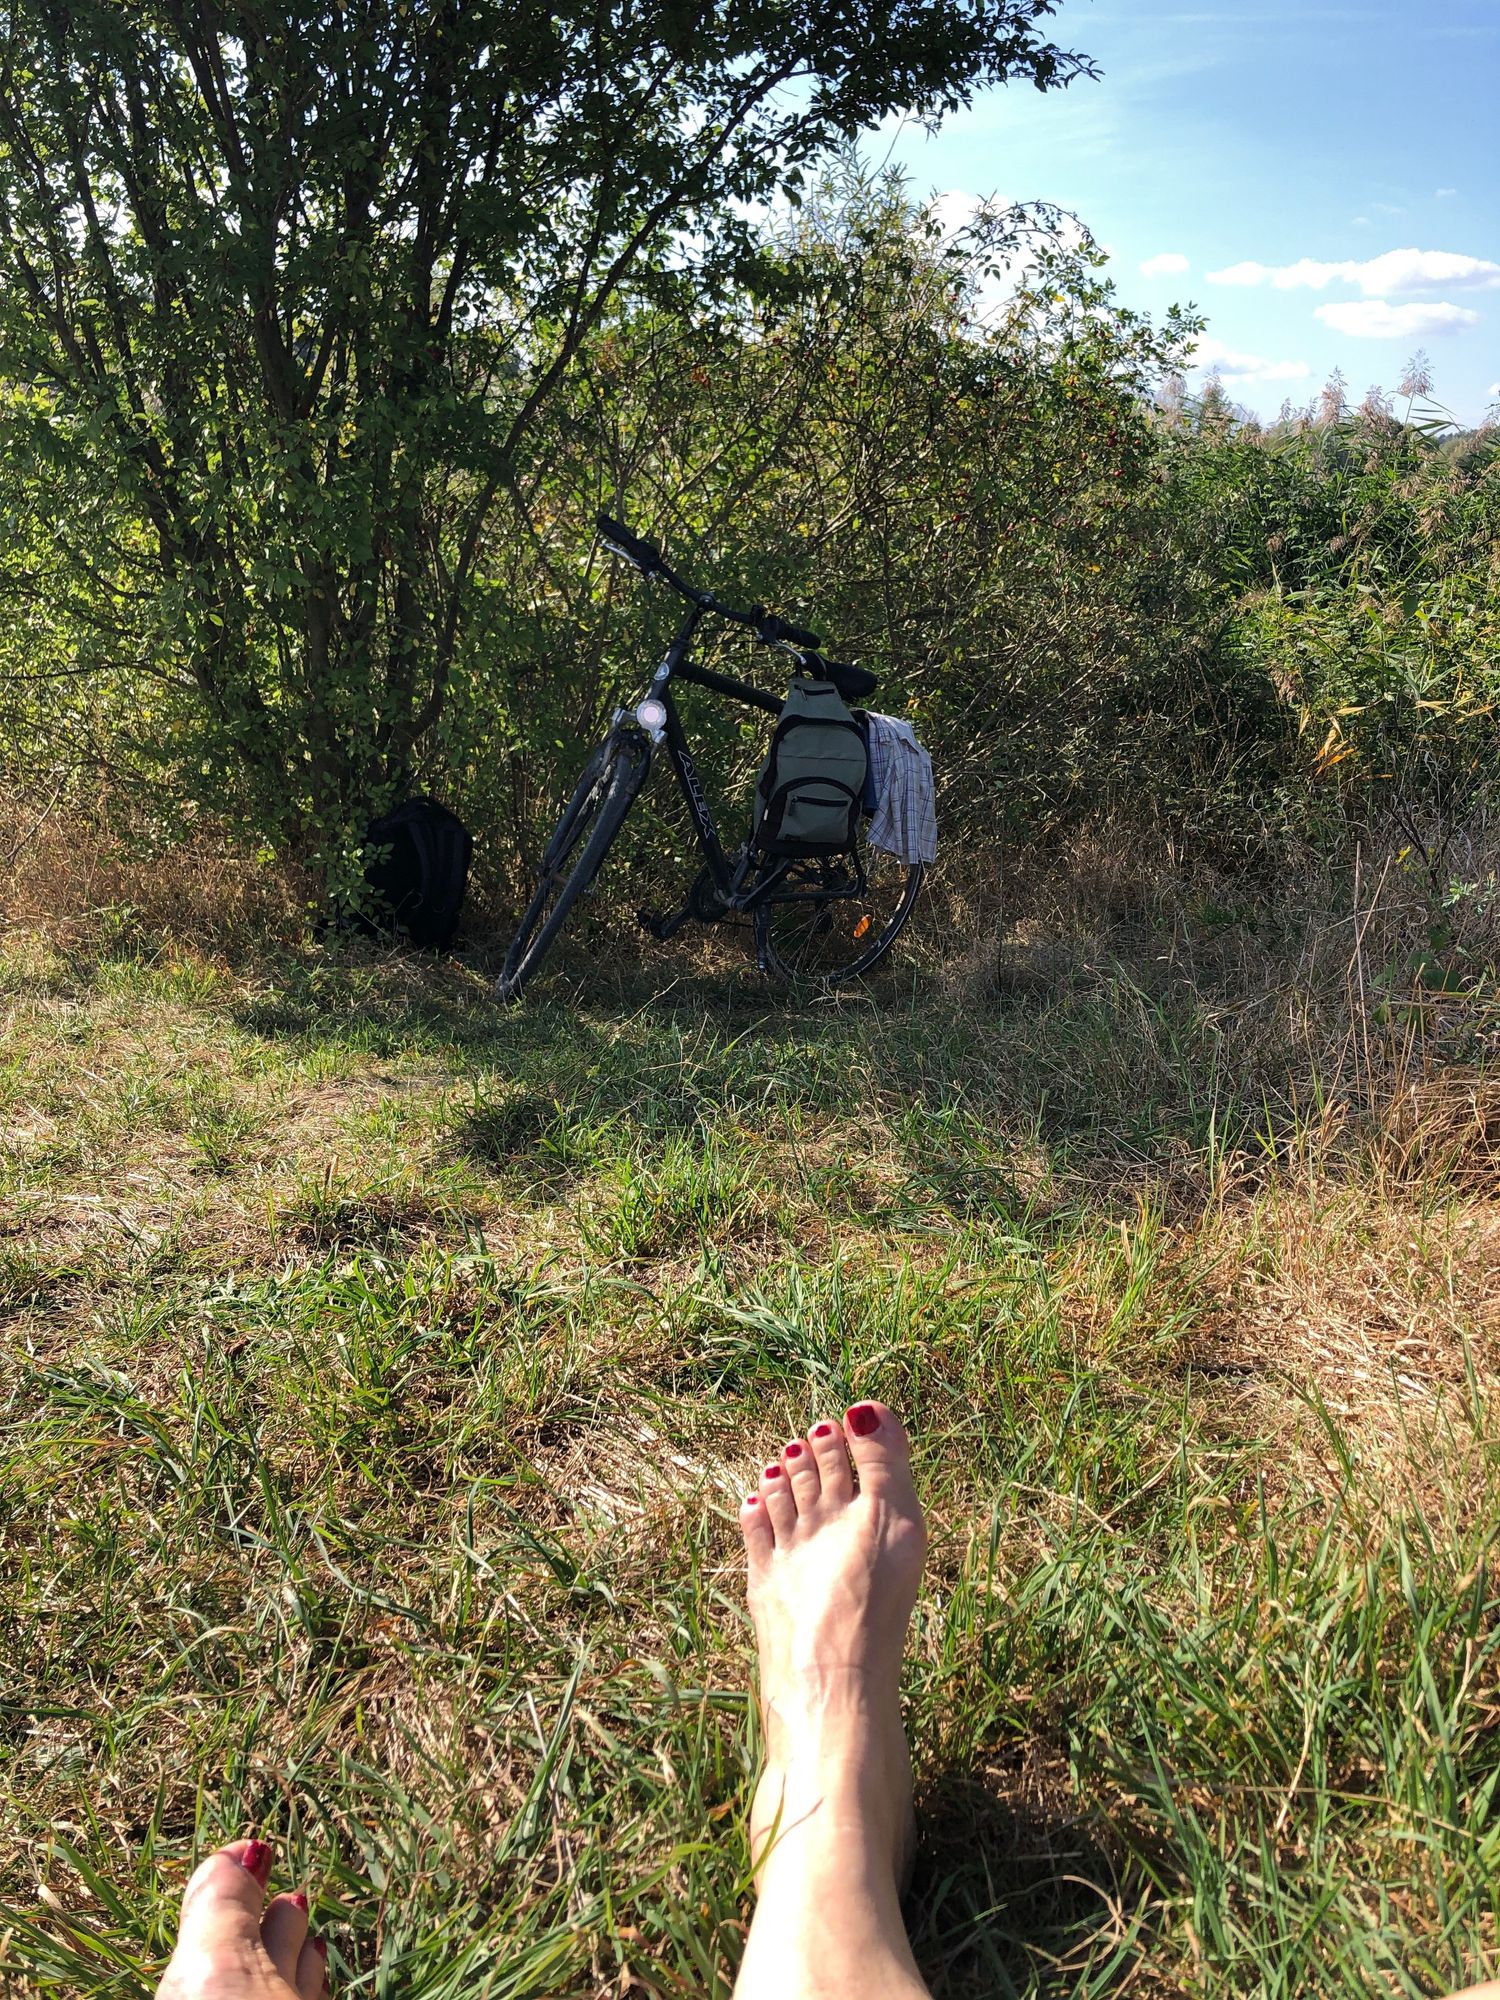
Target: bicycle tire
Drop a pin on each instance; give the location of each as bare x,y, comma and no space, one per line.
842,921
611,780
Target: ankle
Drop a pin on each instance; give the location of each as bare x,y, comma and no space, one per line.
823,1846
838,1812
832,1711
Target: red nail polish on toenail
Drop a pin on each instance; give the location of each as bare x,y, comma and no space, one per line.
320,1946
257,1858
299,1897
863,1419
822,1430
794,1451
773,1472
752,1499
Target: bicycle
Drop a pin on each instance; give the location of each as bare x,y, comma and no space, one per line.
826,920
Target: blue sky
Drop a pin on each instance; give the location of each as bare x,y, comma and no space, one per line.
1295,149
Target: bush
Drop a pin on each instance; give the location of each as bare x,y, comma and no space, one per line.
950,452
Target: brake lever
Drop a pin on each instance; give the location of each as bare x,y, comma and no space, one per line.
635,549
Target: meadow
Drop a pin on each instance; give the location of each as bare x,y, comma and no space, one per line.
382,1371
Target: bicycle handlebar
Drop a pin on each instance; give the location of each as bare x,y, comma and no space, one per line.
649,560
773,630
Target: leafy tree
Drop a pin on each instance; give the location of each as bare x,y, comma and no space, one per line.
286,287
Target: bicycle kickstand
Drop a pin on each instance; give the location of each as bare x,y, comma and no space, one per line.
662,928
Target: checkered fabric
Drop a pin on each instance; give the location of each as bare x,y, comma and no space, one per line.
904,822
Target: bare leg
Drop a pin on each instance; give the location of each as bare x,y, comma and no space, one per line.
233,1944
833,1579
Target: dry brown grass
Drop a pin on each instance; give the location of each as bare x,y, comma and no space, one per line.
66,872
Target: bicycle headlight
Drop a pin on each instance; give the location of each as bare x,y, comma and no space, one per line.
651,714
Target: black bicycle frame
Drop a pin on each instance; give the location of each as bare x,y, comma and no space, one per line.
771,883
676,667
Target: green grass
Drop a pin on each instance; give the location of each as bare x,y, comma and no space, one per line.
381,1374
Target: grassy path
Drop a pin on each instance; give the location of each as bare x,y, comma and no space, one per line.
380,1377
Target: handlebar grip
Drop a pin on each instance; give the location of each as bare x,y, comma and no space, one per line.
645,555
800,637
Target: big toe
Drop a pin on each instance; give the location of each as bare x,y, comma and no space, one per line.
228,1890
881,1451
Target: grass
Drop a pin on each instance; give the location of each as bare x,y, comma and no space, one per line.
381,1374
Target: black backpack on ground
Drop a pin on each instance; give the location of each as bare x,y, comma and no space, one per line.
811,787
419,870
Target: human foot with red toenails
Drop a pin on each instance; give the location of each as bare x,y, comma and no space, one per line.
234,1944
835,1554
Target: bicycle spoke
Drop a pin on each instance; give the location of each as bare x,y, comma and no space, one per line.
590,821
829,939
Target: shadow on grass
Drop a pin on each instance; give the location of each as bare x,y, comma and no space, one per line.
1087,1084
1012,1895
1116,1074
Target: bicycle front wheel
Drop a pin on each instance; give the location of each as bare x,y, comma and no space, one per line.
576,851
832,940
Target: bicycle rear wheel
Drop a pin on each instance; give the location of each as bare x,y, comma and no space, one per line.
830,941
585,833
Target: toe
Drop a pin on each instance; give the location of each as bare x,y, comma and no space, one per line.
283,1932
802,1470
881,1453
755,1526
776,1498
826,1442
224,1896
312,1970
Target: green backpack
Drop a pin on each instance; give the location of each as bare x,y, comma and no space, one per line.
807,797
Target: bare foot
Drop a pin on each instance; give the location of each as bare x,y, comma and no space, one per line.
833,1578
233,1944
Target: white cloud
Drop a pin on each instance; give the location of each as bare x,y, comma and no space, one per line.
1493,390
1169,264
1443,193
1248,273
1376,319
1424,271
1394,271
955,210
1237,367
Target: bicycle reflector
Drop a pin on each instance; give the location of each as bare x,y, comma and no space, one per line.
651,714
